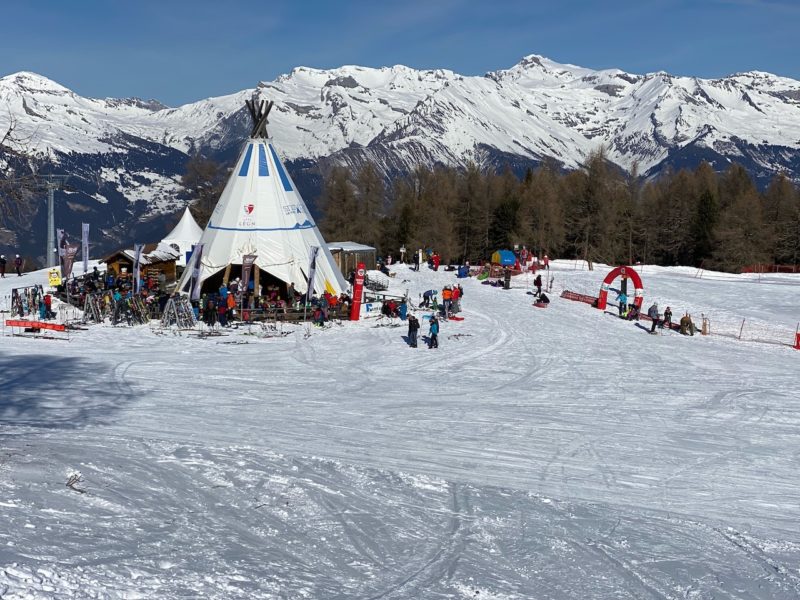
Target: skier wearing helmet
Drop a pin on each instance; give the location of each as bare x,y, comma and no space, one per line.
667,322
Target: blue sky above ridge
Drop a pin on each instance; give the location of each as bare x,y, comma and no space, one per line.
179,51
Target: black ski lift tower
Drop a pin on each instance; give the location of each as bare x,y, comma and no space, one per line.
51,183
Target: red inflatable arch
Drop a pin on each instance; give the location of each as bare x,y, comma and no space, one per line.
602,300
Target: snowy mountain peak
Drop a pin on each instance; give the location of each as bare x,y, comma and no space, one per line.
32,83
397,117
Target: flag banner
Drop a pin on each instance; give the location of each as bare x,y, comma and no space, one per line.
197,256
248,260
85,246
312,270
137,259
70,252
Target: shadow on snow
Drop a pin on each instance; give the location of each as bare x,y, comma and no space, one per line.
58,392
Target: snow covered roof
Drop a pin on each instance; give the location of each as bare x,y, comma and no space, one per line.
349,247
152,253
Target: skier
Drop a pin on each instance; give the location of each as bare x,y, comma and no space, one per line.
687,327
667,322
436,259
455,306
622,298
3,263
632,313
48,304
416,261
210,313
434,333
538,283
447,299
426,298
652,312
413,328
18,265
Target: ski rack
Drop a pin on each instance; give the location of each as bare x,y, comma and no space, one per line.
178,311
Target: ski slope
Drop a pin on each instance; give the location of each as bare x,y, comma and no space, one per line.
548,454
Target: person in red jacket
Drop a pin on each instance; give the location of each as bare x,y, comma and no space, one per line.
436,261
455,307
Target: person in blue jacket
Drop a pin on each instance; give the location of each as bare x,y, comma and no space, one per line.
623,303
433,342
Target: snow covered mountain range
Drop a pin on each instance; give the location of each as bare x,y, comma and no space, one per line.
126,155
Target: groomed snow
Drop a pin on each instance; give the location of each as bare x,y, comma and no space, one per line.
559,453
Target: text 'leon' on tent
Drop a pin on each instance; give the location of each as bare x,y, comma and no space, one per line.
261,213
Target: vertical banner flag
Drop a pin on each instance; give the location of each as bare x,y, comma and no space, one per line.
85,246
137,259
70,252
248,260
197,256
358,292
312,270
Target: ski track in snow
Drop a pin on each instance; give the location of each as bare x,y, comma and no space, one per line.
536,454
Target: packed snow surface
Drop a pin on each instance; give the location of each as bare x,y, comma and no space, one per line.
549,454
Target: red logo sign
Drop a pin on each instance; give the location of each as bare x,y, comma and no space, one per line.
248,209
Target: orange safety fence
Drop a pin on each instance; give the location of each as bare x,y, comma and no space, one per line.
35,325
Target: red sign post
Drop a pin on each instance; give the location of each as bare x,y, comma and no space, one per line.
358,292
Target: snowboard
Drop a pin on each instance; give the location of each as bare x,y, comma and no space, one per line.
455,318
540,305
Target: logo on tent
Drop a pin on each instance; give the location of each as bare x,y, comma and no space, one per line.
248,209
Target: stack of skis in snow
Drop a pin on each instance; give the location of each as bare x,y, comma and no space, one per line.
178,311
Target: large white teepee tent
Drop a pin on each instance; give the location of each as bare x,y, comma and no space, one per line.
183,236
261,212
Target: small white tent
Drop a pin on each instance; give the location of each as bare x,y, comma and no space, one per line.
183,236
261,212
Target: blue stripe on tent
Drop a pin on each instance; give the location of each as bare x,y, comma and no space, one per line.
246,163
284,179
306,225
263,169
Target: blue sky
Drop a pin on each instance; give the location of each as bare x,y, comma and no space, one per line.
179,51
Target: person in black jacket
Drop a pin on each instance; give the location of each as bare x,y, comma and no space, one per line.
413,328
667,322
18,265
3,263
